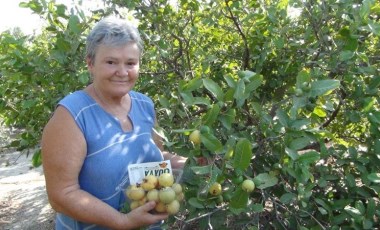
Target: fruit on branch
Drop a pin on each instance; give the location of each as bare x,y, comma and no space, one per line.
215,189
248,185
195,137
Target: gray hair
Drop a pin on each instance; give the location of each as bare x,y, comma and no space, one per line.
112,31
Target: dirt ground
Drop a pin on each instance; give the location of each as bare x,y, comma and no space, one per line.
23,200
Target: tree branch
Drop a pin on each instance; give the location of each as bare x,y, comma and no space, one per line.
246,53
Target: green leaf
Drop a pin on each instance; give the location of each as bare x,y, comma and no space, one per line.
202,170
322,87
365,9
211,142
339,219
257,208
350,180
239,94
309,157
303,76
299,124
374,27
230,81
322,211
371,208
299,143
192,85
282,117
355,213
37,158
319,111
346,55
239,199
74,24
291,153
213,88
265,180
374,177
323,204
242,154
187,97
368,103
228,118
287,198
210,117
255,83
367,224
246,74
195,203
360,206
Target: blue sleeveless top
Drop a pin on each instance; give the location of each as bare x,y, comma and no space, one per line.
110,149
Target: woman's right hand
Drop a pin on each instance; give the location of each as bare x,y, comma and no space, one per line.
141,216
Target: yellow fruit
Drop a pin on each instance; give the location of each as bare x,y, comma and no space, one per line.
177,188
152,195
166,195
142,201
149,182
134,204
180,196
173,207
134,192
248,185
195,137
166,180
215,189
160,207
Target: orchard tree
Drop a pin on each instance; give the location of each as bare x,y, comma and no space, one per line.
276,103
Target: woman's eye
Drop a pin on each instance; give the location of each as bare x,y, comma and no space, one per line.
110,62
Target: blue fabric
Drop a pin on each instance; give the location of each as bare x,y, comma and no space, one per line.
109,149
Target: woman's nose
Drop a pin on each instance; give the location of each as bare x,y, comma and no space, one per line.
122,71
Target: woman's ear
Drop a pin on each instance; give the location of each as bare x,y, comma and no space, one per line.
89,64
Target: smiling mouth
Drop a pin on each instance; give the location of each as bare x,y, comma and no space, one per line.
120,81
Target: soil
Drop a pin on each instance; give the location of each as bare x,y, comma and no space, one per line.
23,199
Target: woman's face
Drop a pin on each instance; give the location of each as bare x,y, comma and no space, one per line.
115,69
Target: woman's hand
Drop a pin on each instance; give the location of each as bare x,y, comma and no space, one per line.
141,216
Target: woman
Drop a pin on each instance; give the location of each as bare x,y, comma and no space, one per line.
95,133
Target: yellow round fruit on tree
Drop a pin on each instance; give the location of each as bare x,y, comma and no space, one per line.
166,180
215,189
248,185
195,137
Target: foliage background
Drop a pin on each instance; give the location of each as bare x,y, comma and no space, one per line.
284,92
